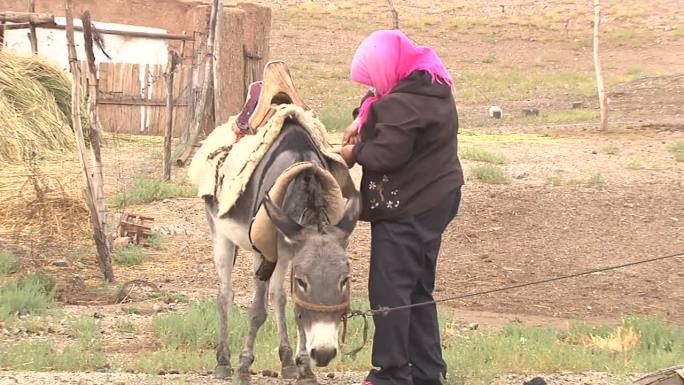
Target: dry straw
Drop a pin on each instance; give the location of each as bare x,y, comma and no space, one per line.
40,184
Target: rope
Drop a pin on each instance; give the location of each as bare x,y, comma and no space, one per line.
386,310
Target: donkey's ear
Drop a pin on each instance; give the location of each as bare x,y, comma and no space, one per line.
351,214
288,227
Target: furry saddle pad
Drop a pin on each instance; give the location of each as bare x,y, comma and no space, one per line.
223,166
263,233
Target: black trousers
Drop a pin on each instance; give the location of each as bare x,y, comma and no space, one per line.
406,345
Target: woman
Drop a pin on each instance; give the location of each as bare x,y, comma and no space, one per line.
404,137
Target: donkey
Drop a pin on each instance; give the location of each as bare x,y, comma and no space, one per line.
314,247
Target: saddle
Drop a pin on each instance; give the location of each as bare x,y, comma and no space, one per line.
275,88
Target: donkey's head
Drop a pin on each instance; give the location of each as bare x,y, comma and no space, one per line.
320,277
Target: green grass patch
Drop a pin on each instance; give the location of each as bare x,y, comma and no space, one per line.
488,173
336,119
130,255
169,297
555,180
611,149
156,240
9,263
565,116
473,356
30,294
124,326
595,180
84,354
677,151
481,155
145,190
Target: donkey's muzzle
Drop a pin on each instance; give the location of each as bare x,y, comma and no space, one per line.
323,356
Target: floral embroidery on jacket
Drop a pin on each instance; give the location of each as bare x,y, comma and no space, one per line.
379,188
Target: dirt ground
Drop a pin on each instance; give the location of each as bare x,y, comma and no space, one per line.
524,230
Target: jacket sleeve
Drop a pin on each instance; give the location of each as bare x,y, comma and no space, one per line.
396,130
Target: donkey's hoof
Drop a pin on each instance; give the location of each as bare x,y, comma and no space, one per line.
222,372
307,381
243,378
289,372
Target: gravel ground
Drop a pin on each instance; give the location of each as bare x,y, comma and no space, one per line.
40,378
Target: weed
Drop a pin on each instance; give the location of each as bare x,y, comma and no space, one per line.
125,326
84,354
31,294
130,255
611,149
130,310
169,297
481,155
677,151
489,173
9,263
555,180
156,240
489,58
145,190
635,164
595,180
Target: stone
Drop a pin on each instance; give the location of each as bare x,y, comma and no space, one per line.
60,263
331,375
577,105
530,111
121,242
495,112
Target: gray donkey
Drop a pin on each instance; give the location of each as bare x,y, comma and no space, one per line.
316,248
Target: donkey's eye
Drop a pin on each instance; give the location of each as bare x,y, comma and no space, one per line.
344,284
301,284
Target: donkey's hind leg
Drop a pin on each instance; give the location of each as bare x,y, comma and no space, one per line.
289,370
224,256
257,317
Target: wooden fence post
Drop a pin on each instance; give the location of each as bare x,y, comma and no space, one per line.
91,189
168,130
229,87
597,67
32,33
206,97
257,41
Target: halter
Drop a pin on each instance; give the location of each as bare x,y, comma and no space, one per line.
344,307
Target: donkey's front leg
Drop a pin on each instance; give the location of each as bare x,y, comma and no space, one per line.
224,256
288,369
257,317
306,375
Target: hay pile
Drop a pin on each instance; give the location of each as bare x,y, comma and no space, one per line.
40,181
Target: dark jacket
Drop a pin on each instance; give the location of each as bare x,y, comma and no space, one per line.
409,150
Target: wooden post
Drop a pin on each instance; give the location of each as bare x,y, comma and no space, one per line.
206,95
229,69
90,189
257,41
25,17
168,130
597,67
2,35
395,14
32,33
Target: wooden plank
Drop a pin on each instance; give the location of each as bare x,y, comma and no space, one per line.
27,17
257,40
138,101
229,84
32,33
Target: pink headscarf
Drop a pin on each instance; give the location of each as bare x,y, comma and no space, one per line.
386,57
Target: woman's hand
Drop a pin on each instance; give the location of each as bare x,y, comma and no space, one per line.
347,155
351,134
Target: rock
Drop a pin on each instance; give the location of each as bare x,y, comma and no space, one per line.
157,308
121,242
522,175
530,111
495,112
98,315
577,105
535,381
60,263
473,326
331,375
